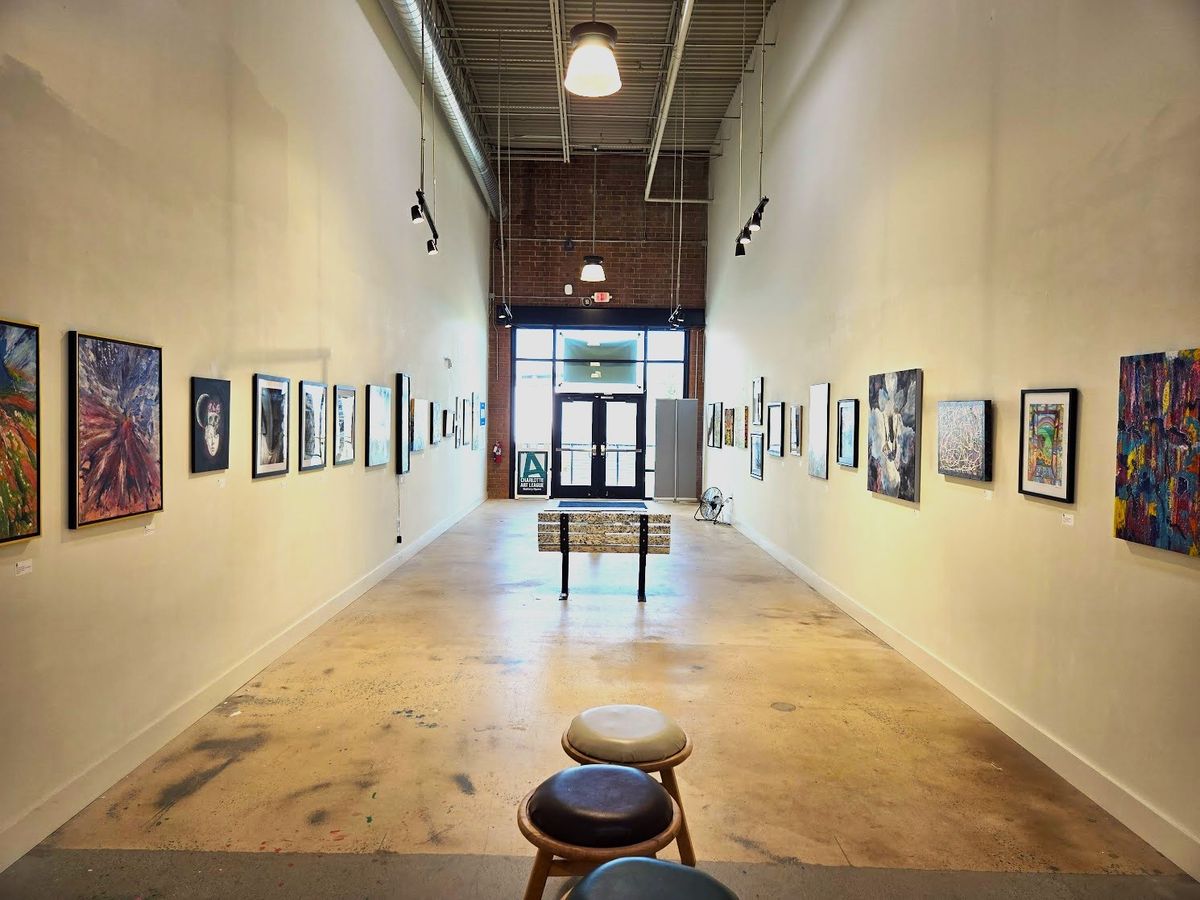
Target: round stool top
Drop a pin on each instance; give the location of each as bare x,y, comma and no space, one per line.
601,806
625,734
637,878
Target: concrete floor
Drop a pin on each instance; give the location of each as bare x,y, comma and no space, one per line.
393,745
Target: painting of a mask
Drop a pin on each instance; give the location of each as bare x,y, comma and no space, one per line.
210,424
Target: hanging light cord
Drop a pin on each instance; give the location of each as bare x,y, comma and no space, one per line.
682,171
433,123
762,81
499,167
422,101
741,107
595,155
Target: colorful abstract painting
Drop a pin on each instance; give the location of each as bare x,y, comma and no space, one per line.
1048,443
344,417
1158,451
818,430
314,420
730,425
894,434
20,438
847,433
116,429
210,424
965,439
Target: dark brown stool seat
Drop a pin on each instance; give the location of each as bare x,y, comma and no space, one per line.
643,879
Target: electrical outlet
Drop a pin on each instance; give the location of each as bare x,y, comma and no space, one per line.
987,495
1068,519
149,529
24,567
220,482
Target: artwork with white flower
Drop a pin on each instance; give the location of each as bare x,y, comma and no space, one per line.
894,434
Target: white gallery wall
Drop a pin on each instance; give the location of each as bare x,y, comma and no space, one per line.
229,181
1006,196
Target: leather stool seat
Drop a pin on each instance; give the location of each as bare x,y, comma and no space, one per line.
625,734
649,879
601,806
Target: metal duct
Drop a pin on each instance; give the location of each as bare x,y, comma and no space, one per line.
407,21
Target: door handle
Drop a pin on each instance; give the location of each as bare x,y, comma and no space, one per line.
593,451
602,449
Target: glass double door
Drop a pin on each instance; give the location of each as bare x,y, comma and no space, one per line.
599,446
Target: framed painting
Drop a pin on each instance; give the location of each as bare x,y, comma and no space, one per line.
730,426
210,424
272,424
115,428
435,423
745,426
708,424
756,400
718,424
403,422
818,430
756,455
797,418
894,434
454,425
465,419
20,432
1047,452
1158,451
345,418
419,422
476,431
964,439
775,429
314,397
379,424
447,424
847,433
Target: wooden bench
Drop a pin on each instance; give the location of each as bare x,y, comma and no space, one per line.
599,530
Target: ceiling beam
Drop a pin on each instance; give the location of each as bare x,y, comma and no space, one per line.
556,32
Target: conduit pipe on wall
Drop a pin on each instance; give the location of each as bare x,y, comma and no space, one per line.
664,108
407,21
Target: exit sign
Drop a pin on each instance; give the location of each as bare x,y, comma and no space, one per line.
602,296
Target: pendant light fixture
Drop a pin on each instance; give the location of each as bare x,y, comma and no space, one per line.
592,71
593,263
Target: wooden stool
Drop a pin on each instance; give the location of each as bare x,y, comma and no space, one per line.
584,817
626,878
639,737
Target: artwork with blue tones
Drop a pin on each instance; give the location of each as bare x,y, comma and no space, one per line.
894,434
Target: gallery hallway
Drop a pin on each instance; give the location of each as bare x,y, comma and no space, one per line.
386,753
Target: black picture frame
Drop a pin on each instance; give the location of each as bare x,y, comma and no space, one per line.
985,473
756,455
210,397
258,468
5,375
847,420
435,423
775,429
340,427
1071,397
302,431
402,399
74,518
757,394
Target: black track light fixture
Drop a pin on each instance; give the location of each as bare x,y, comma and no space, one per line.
431,247
739,249
418,217
744,236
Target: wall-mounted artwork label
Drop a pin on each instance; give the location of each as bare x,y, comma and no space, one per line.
345,417
313,419
20,433
531,473
115,429
210,424
272,425
775,429
1158,451
403,424
435,422
756,400
818,430
1047,456
847,433
756,455
379,424
894,434
964,439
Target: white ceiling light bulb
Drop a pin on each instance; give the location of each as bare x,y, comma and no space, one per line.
593,269
592,71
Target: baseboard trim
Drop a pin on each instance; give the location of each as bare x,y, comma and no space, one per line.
31,827
1158,829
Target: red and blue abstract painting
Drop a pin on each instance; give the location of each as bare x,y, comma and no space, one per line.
116,424
20,500
1158,451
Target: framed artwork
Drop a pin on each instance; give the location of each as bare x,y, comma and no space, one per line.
20,432
345,417
746,426
314,398
756,400
847,433
708,424
730,414
1158,451
476,431
455,426
210,424
794,435
272,423
419,420
775,429
465,421
403,424
964,439
1047,452
379,424
894,434
756,455
818,430
115,428
435,422
718,424
447,424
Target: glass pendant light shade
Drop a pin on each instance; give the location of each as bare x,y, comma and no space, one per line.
593,269
592,71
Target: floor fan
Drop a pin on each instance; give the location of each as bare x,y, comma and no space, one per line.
712,502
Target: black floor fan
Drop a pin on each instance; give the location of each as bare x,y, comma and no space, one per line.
712,502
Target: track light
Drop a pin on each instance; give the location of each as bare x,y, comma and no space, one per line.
744,236
757,216
417,217
739,249
431,247
592,71
593,269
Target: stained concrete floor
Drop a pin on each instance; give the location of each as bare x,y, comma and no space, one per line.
385,754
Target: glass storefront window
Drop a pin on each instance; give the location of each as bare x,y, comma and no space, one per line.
533,406
666,345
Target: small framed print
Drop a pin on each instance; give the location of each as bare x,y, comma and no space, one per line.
1047,452
797,412
775,429
210,424
435,423
756,455
272,425
847,433
730,425
379,424
345,416
313,418
756,400
20,432
964,439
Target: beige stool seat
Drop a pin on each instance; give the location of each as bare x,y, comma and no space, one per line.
626,734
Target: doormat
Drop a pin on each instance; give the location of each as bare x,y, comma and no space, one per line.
602,504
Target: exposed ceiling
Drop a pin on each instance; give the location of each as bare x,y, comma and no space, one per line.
506,50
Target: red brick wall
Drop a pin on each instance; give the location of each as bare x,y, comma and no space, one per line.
550,201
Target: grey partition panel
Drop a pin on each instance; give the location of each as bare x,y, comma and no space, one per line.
676,448
687,448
